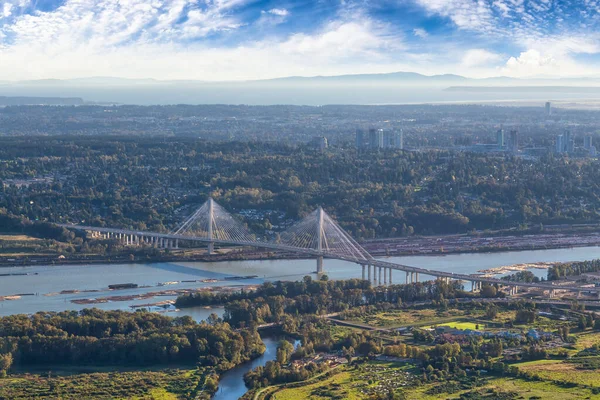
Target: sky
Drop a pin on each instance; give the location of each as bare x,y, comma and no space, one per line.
220,40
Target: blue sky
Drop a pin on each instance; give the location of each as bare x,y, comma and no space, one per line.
242,39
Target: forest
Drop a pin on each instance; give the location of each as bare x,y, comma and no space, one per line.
272,302
95,337
149,183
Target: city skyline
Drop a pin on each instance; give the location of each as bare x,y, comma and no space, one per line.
238,39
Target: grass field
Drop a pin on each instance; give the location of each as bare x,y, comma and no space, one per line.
463,325
558,370
161,385
586,340
398,318
523,389
17,238
337,386
352,383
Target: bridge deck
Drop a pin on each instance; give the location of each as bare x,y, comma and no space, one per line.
315,253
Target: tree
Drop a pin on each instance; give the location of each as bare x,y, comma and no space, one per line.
488,291
491,311
284,351
582,323
6,361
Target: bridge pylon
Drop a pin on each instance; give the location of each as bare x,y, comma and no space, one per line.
211,218
213,222
321,234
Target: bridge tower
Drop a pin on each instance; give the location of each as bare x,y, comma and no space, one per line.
211,221
322,237
320,240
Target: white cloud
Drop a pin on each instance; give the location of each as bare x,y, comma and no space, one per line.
282,12
274,16
543,31
141,38
471,14
420,32
480,57
531,63
339,39
535,63
6,10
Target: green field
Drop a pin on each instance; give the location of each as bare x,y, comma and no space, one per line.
587,339
353,382
161,385
558,370
463,325
398,318
522,390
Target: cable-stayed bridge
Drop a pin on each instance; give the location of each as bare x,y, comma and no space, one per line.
317,235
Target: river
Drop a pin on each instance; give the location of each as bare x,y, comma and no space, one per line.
231,384
45,282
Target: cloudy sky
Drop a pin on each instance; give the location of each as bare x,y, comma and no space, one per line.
244,39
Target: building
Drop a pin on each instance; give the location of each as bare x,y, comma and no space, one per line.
548,109
587,142
375,138
560,144
569,142
361,139
378,139
319,143
500,138
513,141
393,139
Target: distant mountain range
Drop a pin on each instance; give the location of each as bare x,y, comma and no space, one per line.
46,101
393,77
387,88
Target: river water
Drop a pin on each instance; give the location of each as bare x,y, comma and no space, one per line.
45,282
231,384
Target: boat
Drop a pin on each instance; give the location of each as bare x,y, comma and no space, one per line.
117,286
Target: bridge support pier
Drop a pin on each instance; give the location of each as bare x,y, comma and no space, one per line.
176,243
385,276
369,272
407,277
363,271
416,277
211,250
390,278
319,265
375,276
380,276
